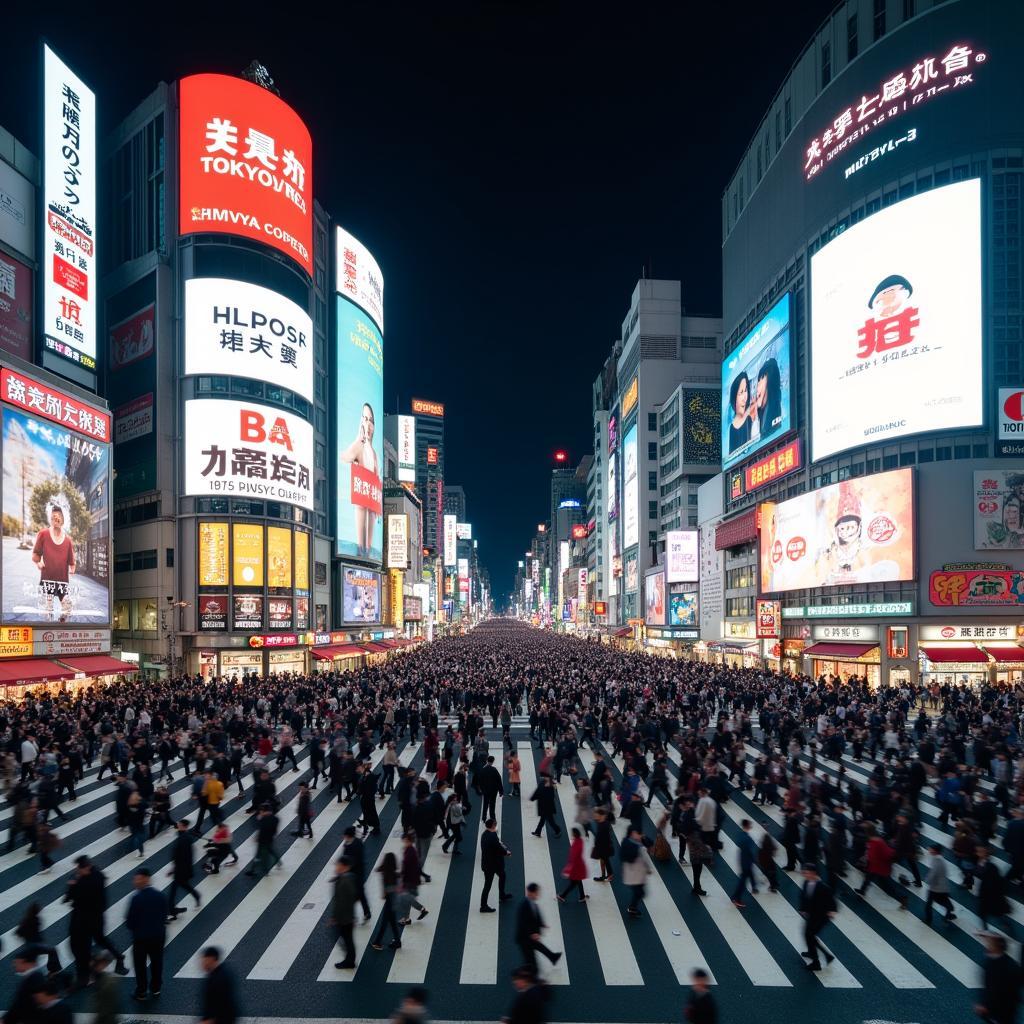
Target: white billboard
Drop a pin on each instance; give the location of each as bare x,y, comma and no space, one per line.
896,323
247,450
236,329
407,449
682,556
464,531
630,491
398,541
68,261
449,539
359,278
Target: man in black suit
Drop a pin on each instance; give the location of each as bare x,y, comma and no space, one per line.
219,1003
488,779
545,797
817,907
529,925
492,862
22,1008
1002,981
352,847
181,869
531,995
146,920
87,896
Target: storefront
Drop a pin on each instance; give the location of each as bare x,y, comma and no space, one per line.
793,656
235,664
95,670
67,674
735,653
842,661
337,657
969,654
671,641
952,665
1008,664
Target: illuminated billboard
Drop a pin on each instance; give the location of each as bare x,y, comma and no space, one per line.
398,541
279,558
654,599
407,449
896,323
247,565
246,166
360,432
682,609
630,491
358,277
998,510
682,562
450,538
613,489
360,595
68,266
463,531
235,329
756,386
213,554
857,531
613,433
246,450
424,407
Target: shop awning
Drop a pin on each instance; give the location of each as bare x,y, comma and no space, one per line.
32,670
375,647
829,650
99,665
1004,654
734,646
946,655
389,644
623,632
338,651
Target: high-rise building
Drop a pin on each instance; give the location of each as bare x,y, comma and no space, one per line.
430,470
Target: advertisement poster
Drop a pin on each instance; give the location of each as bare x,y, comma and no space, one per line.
682,609
756,387
248,611
247,555
17,211
702,427
302,613
412,609
359,277
213,612
858,531
279,613
15,307
682,556
768,620
632,573
360,595
301,560
407,449
213,554
360,434
654,599
975,588
237,329
450,539
133,338
246,165
613,433
613,489
279,557
56,524
133,419
463,531
398,541
998,510
896,323
1009,420
246,450
630,491
68,256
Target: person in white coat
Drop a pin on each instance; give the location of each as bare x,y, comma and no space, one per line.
636,866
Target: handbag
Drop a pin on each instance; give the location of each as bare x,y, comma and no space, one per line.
661,850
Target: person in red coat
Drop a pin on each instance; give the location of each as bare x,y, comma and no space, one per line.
575,868
880,856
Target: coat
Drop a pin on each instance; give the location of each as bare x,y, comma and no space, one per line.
514,771
219,1002
492,852
545,797
817,905
529,921
576,867
880,857
635,872
182,857
343,902
602,848
991,892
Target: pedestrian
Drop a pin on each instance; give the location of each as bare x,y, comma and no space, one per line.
146,920
700,1007
636,866
413,1009
425,825
488,780
544,797
266,831
1001,984
368,802
766,861
21,1007
218,849
529,928
493,854
748,858
220,1004
410,880
575,869
454,817
584,805
182,869
352,847
515,768
701,856
390,889
992,902
817,908
937,882
47,842
50,1007
106,995
343,909
87,896
135,819
706,816
602,850
880,856
529,1005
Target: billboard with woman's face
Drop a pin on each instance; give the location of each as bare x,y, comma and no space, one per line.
756,387
359,418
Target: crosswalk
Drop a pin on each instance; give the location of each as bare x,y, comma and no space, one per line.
276,929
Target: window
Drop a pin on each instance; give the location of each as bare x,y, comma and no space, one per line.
320,574
851,37
778,130
122,563
879,20
144,614
169,555
652,538
962,451
652,449
826,64
652,421
652,510
122,619
652,481
908,9
144,560
789,115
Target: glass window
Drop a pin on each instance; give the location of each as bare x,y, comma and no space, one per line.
144,560
879,20
123,563
144,615
122,615
652,449
851,37
652,481
826,64
652,421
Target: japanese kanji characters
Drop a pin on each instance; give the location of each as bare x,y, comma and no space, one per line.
894,322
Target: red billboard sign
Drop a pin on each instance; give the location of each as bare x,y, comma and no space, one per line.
54,405
579,532
600,608
133,338
769,620
246,166
431,456
773,467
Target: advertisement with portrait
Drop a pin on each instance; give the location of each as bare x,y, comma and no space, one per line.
247,567
236,329
682,556
213,554
631,573
56,514
999,510
682,609
247,612
15,306
247,450
359,419
463,531
768,620
630,491
279,559
407,449
302,613
359,277
245,165
398,541
213,612
858,531
613,433
68,250
360,595
896,313
654,598
756,382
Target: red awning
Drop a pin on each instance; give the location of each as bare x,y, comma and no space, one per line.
32,670
389,644
99,665
1013,654
628,631
953,654
375,647
338,651
829,650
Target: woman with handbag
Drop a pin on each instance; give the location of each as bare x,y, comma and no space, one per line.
575,869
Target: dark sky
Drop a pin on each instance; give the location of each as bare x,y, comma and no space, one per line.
512,166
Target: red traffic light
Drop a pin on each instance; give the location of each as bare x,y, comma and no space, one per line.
561,456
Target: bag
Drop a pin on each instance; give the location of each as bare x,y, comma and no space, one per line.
661,850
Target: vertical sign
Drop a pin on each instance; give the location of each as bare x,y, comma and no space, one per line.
407,449
67,260
450,539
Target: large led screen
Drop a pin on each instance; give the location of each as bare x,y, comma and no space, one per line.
360,434
630,491
756,387
896,323
654,599
859,531
682,609
681,556
359,278
360,595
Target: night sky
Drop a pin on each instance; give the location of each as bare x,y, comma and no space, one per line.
513,167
